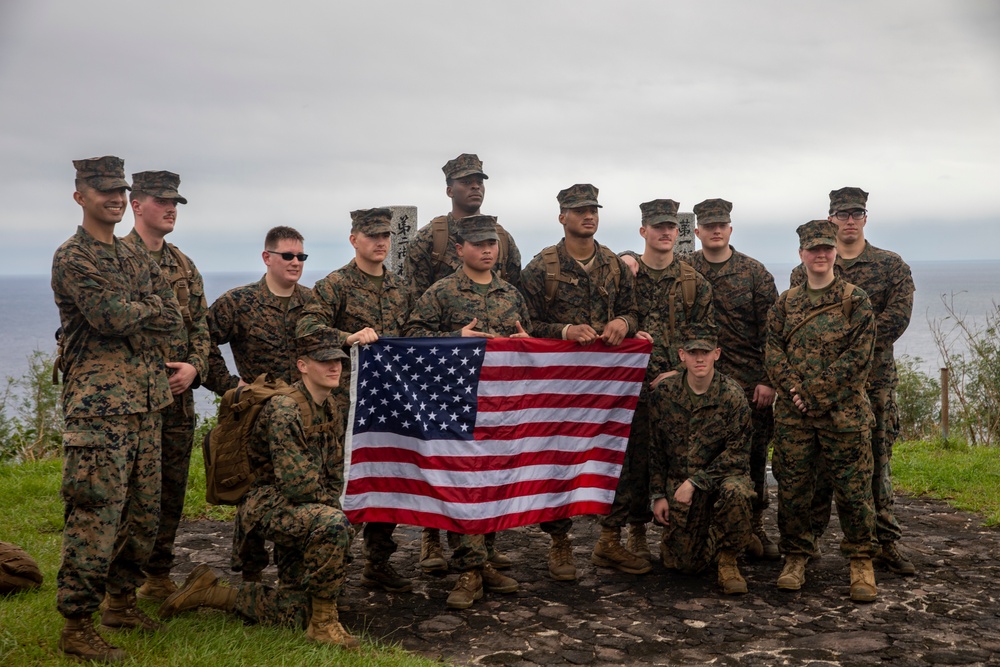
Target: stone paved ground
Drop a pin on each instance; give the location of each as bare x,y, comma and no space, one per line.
949,614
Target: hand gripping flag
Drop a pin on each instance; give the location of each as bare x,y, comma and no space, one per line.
478,435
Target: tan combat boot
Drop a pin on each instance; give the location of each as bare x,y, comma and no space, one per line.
793,575
495,582
381,574
324,625
637,543
561,567
609,552
200,589
431,555
80,640
862,580
761,545
730,579
123,614
468,589
156,587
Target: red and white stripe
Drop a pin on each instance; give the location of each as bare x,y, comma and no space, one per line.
550,434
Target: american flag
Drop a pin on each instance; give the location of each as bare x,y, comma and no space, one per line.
477,435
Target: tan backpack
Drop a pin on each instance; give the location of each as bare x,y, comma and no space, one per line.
439,235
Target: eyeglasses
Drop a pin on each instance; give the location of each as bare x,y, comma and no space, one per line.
289,256
857,214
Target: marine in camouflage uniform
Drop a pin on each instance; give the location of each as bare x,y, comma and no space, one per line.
670,296
699,463
294,501
464,181
465,185
743,292
819,352
116,311
462,304
887,280
360,302
258,322
154,200
588,294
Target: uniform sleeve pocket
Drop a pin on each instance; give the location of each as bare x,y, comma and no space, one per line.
91,475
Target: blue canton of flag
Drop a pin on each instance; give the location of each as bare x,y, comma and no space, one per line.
419,387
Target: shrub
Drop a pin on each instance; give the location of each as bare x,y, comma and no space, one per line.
918,398
35,432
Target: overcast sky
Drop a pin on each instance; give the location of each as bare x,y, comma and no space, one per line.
298,112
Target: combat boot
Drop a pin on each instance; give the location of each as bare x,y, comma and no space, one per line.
200,589
80,639
730,579
793,575
381,574
431,555
468,589
609,552
495,582
561,567
862,580
761,545
890,556
324,625
498,559
123,614
156,587
637,543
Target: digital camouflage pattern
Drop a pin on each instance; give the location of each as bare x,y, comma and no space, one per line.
478,228
743,292
452,302
162,184
659,211
102,173
422,270
653,296
466,164
260,332
371,221
827,358
191,344
578,196
713,211
111,470
847,199
347,301
584,297
887,280
295,502
702,439
116,310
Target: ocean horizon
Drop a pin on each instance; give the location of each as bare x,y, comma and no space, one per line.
28,315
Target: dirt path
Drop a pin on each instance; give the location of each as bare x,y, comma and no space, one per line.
949,614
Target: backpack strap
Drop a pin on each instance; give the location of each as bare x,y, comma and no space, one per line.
180,282
689,282
846,305
439,238
553,274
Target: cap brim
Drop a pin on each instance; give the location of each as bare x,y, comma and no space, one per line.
714,219
329,354
468,172
583,204
815,243
699,345
661,219
482,236
108,184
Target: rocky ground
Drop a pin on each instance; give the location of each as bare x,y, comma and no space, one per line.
948,614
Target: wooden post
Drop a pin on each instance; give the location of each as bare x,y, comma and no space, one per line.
944,403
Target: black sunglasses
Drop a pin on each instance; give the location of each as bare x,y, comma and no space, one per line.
289,256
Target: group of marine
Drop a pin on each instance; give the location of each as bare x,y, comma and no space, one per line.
734,367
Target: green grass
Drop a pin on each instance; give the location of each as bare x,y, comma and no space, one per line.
967,477
31,515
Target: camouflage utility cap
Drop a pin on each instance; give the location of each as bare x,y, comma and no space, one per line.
700,337
816,233
102,173
371,221
319,344
846,199
464,165
476,228
713,211
578,196
659,211
162,184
